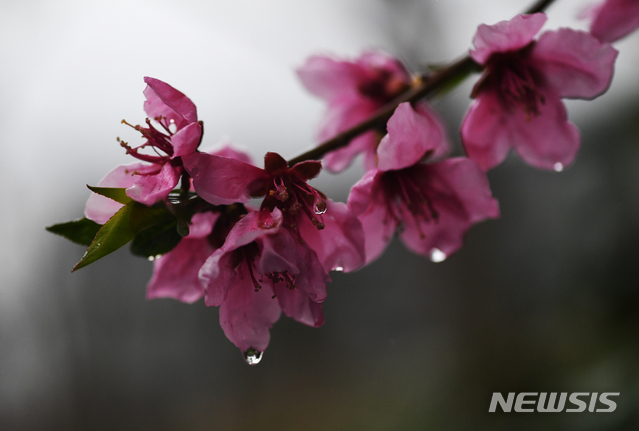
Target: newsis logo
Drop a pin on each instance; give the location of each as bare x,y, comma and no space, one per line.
526,402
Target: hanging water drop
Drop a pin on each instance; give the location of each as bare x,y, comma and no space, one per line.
156,257
436,255
252,356
558,167
320,207
338,269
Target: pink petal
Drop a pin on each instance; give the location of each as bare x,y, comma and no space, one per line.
329,78
486,131
228,151
340,245
375,60
164,100
460,194
574,63
282,252
99,208
547,140
615,19
150,189
341,115
175,274
246,315
186,140
297,305
219,272
505,36
412,133
340,159
368,204
202,224
222,180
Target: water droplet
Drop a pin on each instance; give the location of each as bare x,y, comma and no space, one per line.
558,167
320,207
436,255
252,356
152,258
339,269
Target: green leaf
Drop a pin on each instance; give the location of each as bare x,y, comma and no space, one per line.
117,194
156,240
79,231
125,224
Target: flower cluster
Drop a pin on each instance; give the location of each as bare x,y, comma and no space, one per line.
190,211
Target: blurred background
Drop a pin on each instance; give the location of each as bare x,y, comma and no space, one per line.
546,299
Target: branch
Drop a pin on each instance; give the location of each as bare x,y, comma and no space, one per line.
430,83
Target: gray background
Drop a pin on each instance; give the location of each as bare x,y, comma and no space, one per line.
545,299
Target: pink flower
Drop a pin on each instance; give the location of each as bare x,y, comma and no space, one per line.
222,181
613,19
354,91
178,135
175,274
518,99
432,204
261,270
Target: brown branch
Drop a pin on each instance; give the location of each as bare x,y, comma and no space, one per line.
429,84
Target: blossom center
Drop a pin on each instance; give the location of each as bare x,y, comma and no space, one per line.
405,198
156,139
248,255
293,196
516,82
382,86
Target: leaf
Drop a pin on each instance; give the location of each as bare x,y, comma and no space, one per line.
117,194
156,240
125,224
80,231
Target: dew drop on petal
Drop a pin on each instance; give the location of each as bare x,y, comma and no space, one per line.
558,167
252,356
436,255
338,269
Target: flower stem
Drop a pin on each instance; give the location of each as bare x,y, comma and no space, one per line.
430,83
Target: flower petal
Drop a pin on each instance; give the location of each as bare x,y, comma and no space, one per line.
574,63
282,252
152,188
246,315
615,19
222,180
412,133
505,36
329,78
340,245
368,204
297,305
175,274
340,116
186,140
460,194
99,208
164,100
486,131
547,139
